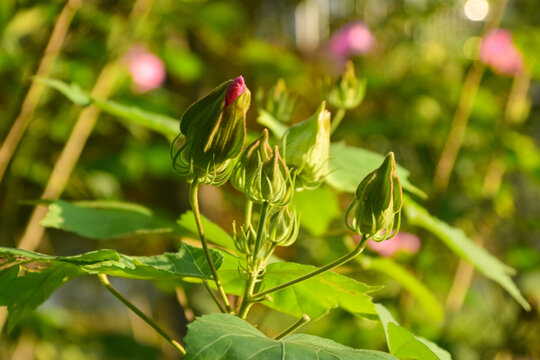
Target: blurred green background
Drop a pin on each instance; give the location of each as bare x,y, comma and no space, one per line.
162,55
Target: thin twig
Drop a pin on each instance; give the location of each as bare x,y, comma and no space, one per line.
194,201
463,111
105,281
33,95
297,325
342,260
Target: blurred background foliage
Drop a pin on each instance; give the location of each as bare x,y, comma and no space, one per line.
415,59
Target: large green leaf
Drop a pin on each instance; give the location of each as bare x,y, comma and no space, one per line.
189,261
405,345
349,165
314,297
459,243
29,278
105,219
157,122
225,336
212,231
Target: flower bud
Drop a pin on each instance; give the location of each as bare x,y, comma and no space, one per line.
251,159
214,128
271,183
348,92
282,227
375,212
245,240
306,147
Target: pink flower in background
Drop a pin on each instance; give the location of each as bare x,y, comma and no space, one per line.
146,69
351,39
498,51
403,241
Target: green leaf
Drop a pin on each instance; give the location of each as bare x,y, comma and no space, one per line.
316,219
225,336
423,295
23,286
72,91
105,219
162,124
189,261
159,123
212,231
405,345
23,293
459,243
349,165
314,297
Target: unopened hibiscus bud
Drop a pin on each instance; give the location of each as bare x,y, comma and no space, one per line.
251,159
278,103
282,227
214,128
375,212
348,91
306,147
262,174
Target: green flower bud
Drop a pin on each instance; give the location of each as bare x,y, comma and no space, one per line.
245,240
251,159
262,174
376,209
348,92
214,129
306,147
282,227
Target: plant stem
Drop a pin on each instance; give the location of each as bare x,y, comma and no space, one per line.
458,127
247,301
298,324
31,100
105,281
342,260
216,300
340,114
258,240
194,201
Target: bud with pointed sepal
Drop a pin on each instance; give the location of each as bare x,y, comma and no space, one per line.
262,174
214,130
375,212
306,147
348,91
282,227
279,104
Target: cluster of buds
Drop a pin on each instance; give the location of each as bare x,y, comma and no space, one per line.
375,212
348,91
262,175
214,130
306,147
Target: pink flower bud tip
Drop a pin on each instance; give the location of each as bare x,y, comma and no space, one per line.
237,88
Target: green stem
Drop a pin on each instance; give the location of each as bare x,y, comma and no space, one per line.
216,300
194,201
258,240
105,281
340,114
342,260
253,268
298,324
